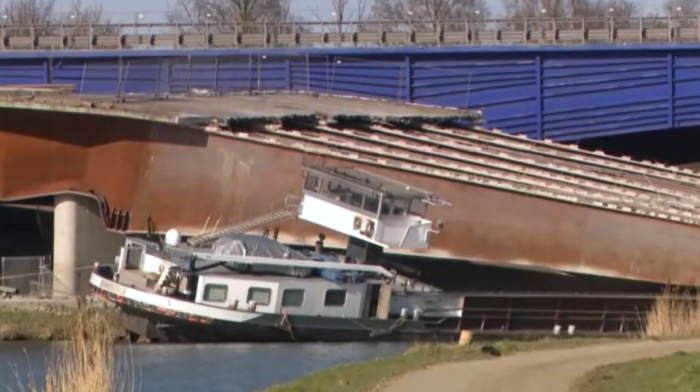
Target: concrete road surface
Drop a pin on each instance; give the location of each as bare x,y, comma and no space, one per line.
537,371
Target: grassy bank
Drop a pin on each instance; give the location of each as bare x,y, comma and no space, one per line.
47,323
677,373
370,376
674,315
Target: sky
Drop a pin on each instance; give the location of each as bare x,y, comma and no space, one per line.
123,11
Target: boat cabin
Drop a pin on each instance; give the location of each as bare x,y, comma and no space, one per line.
368,206
320,297
279,294
335,289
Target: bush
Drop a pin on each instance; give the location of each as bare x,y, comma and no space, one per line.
87,361
674,315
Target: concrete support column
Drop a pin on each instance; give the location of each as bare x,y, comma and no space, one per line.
65,244
80,239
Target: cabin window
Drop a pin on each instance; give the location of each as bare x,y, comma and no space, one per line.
417,207
215,292
371,204
311,183
335,298
260,295
293,297
344,194
400,207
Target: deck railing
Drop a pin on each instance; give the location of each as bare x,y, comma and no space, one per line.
537,31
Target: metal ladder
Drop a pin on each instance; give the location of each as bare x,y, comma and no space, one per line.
289,211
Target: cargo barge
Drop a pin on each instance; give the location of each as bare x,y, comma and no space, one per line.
209,163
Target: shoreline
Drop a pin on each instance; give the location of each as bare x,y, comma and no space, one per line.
378,374
47,320
559,364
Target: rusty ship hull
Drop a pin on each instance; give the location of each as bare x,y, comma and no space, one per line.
515,202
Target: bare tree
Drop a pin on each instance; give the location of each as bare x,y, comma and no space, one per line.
423,15
83,19
21,13
540,9
220,15
344,14
43,16
29,12
681,8
684,13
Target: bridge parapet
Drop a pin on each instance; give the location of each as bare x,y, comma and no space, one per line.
477,31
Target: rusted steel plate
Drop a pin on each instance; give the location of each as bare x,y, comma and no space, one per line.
176,177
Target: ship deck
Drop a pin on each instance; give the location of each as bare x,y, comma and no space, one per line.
375,133
270,106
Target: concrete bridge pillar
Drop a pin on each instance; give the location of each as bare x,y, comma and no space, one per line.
80,239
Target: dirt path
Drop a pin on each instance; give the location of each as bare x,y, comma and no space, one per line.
537,371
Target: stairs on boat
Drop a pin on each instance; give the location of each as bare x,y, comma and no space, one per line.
289,211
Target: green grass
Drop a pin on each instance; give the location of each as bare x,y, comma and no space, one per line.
41,325
677,373
371,375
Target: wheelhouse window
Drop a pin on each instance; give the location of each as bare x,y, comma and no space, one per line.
417,207
215,292
371,204
293,297
312,183
260,295
335,298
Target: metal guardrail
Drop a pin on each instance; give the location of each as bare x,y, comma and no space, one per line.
371,33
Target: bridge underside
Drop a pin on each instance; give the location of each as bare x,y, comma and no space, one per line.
566,219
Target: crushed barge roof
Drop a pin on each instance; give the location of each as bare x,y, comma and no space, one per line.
204,107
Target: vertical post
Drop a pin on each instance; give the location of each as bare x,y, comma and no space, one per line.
328,75
168,75
250,73
540,99
82,79
48,71
120,77
308,74
288,74
123,81
188,76
671,81
407,79
216,75
259,74
159,75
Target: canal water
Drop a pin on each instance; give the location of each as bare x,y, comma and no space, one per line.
211,368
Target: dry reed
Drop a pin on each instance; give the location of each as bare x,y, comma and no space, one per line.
87,361
674,315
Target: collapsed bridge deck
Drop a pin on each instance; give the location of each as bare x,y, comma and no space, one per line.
188,162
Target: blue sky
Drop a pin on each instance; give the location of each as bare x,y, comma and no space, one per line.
124,10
